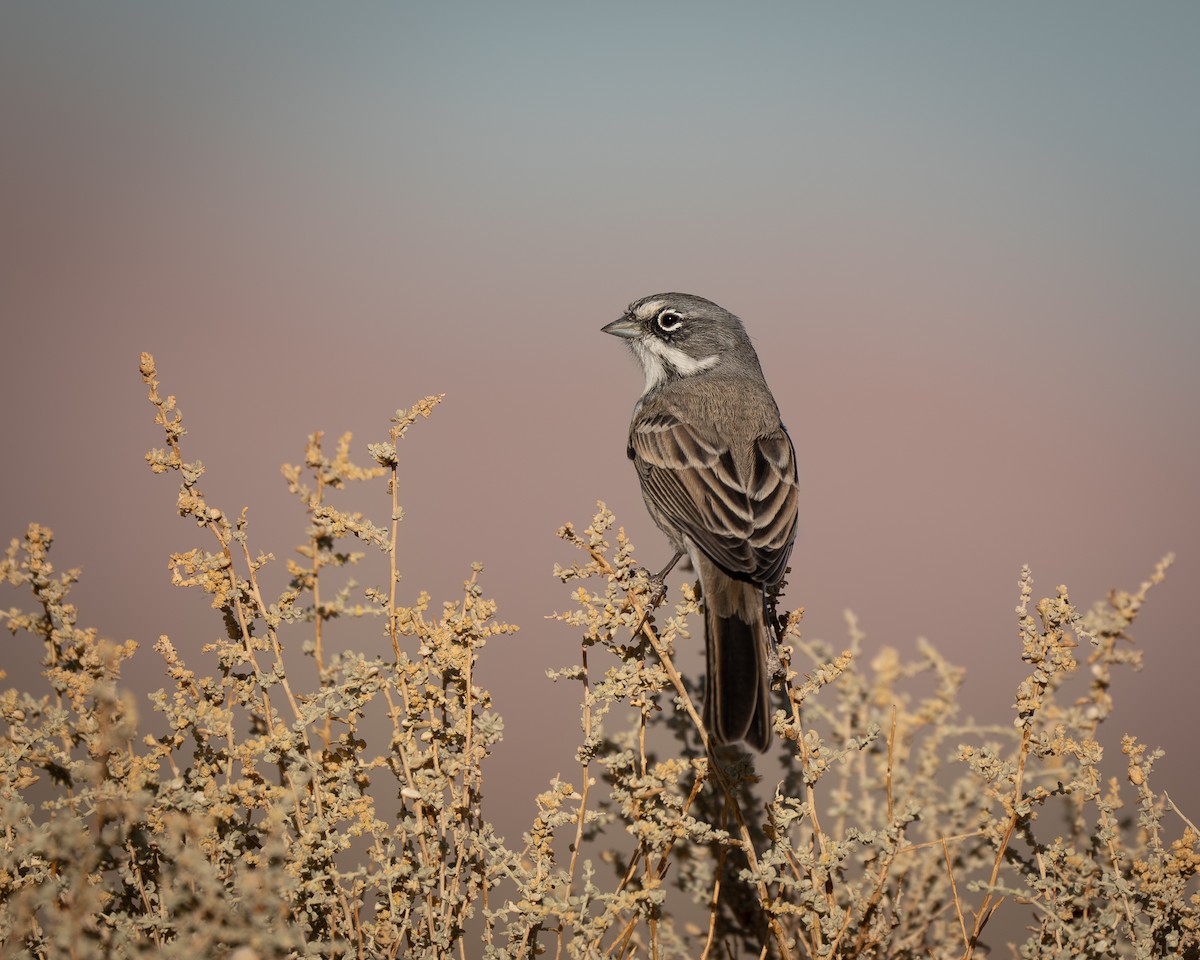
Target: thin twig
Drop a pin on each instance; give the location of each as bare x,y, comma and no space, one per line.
962,924
988,908
1171,804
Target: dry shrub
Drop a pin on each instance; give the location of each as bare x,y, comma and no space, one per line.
263,824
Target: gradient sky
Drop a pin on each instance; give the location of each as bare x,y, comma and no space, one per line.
965,240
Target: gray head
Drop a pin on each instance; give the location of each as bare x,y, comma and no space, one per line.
681,335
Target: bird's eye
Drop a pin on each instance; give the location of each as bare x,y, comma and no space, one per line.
669,321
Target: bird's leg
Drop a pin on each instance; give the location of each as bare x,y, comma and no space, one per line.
658,589
658,581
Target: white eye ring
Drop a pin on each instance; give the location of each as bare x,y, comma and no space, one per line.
669,321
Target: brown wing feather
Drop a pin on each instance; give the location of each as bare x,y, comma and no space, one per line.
744,518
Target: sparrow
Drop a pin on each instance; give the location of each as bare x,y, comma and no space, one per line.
718,475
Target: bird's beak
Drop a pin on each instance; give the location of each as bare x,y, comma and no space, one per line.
626,328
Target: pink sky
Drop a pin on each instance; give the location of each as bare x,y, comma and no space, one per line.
963,239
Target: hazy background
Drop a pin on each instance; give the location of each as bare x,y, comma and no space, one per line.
965,240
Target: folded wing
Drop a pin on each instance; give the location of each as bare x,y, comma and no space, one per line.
738,507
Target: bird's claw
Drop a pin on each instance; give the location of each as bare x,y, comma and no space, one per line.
775,671
656,584
656,593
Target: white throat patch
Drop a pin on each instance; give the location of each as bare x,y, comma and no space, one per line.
658,359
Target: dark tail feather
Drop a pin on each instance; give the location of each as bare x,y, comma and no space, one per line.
737,699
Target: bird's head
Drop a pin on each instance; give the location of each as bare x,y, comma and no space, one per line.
680,335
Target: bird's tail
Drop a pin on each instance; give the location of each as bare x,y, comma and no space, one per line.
737,698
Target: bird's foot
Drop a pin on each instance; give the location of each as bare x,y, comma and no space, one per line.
656,590
656,593
775,670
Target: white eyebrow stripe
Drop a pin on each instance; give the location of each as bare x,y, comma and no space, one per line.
647,310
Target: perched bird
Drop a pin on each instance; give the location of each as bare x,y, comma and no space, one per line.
718,474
